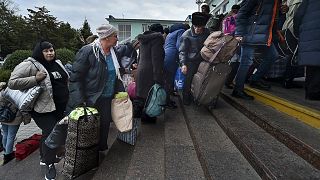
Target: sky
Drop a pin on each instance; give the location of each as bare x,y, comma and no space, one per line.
95,11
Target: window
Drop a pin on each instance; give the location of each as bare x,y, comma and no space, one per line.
124,32
224,8
145,27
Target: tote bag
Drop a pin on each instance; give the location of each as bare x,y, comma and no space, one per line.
122,112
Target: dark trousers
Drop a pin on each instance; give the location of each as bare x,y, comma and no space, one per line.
233,73
169,83
103,106
312,83
192,68
46,122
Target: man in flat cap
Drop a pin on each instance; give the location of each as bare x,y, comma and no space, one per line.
189,51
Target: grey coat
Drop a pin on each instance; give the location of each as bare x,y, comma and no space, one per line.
24,77
151,63
191,45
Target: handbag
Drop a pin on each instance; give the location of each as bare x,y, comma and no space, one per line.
82,144
58,135
122,111
130,137
8,111
179,79
23,99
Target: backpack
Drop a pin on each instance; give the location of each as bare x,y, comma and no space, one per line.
229,25
219,48
156,101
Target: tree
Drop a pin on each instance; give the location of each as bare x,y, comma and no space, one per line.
11,28
44,25
85,30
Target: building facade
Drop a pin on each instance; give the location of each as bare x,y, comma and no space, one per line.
221,6
130,28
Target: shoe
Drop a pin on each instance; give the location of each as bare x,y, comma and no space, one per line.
56,161
260,85
171,105
50,172
7,158
229,86
186,101
290,84
242,95
148,120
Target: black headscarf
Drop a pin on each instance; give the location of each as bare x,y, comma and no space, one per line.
38,55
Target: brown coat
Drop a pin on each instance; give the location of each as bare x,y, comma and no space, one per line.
151,62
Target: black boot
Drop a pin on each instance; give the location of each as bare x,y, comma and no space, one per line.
7,158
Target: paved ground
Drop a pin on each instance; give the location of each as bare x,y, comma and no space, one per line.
24,132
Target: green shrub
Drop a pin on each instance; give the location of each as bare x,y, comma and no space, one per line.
65,55
4,75
16,58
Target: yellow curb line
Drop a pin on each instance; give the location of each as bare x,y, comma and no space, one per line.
302,113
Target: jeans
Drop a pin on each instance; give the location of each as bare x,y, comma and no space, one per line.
9,133
270,54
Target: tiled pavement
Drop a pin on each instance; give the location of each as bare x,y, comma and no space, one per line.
24,132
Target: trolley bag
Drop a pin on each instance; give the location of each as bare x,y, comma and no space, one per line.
82,144
207,83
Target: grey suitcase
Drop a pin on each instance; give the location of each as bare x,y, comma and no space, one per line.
208,82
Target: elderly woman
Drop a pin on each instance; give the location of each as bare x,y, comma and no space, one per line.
43,68
95,76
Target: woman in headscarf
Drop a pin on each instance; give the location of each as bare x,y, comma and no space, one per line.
43,68
95,78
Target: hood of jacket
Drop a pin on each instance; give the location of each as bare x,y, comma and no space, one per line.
149,36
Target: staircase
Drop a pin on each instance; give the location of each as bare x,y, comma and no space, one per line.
236,140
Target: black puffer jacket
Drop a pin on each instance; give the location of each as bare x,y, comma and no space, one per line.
191,44
307,28
256,21
150,66
87,78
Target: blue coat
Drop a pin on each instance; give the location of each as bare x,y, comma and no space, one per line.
255,22
307,28
171,49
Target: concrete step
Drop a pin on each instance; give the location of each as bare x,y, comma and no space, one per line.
291,104
295,134
218,155
269,157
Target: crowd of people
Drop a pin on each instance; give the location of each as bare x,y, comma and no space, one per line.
154,57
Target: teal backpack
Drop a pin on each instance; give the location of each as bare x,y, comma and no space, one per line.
156,101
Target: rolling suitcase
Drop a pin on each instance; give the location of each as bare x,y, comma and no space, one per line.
212,73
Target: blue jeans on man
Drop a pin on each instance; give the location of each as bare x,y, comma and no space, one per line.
269,55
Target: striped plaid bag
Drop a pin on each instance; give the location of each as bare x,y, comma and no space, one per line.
130,137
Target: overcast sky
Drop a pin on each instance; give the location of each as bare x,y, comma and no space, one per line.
75,11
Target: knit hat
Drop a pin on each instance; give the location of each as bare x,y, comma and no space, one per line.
156,28
237,7
199,19
105,30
